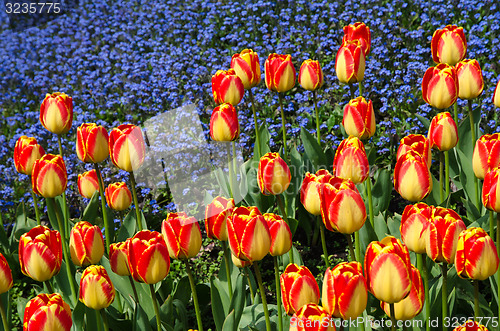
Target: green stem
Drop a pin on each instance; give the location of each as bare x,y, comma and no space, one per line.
98,320
195,295
498,252
283,124
352,89
138,217
136,296
49,286
104,319
477,313
235,160
360,88
323,243
37,212
357,247
444,294
262,295
257,137
422,265
455,108
492,224
66,211
228,272
318,133
230,170
6,326
393,317
107,226
278,293
155,305
473,141
315,236
285,217
370,200
447,173
252,295
441,179
351,247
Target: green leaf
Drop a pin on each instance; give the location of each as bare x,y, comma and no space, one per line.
366,235
312,150
380,227
296,181
92,208
181,315
218,300
182,291
296,257
141,320
467,177
127,229
424,121
236,306
264,137
381,191
293,223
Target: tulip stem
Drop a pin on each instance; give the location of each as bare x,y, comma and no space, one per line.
318,133
155,305
230,170
104,319
315,236
422,265
278,293
136,296
252,295
477,312
357,247
138,217
66,211
323,243
50,289
492,224
195,295
352,89
360,88
444,293
228,272
98,320
235,161
262,295
455,109
283,124
393,317
37,212
447,173
257,137
351,248
103,207
441,178
498,252
370,200
6,326
473,140
285,217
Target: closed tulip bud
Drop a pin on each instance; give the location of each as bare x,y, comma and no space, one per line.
496,95
476,256
281,236
311,75
216,214
486,154
248,234
412,305
49,177
26,152
350,160
470,79
40,253
358,31
342,208
280,72
56,112
441,234
224,125
246,66
148,258
388,270
491,190
359,118
449,45
298,288
350,62
88,184
182,235
92,143
412,179
240,263
443,132
440,86
96,289
413,222
227,87
344,292
471,325
118,196
417,143
6,281
86,244
47,312
126,147
118,258
310,191
273,174
311,317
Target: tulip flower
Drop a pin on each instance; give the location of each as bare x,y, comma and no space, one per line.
449,45
47,312
126,147
470,79
240,263
148,257
118,258
248,234
88,183
412,179
273,175
227,87
92,143
486,154
49,178
443,132
311,75
440,86
491,191
471,325
359,118
344,292
298,288
26,152
358,31
281,236
182,235
413,222
216,214
311,317
246,66
476,256
388,270
6,281
413,304
86,244
350,62
56,112
342,207
118,196
350,160
96,289
417,143
496,95
224,125
280,72
40,253
310,191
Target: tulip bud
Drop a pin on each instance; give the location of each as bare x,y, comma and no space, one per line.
280,72
88,183
470,79
311,317
92,143
476,256
40,253
49,178
298,287
56,112
281,236
491,185
359,118
216,214
413,222
240,263
96,289
358,31
350,62
118,258
26,152
47,312
148,258
350,160
6,281
496,95
118,196
443,132
412,179
449,45
227,87
440,86
471,325
388,269
246,66
417,143
126,147
310,192
311,75
86,244
273,174
344,292
224,125
486,154
182,235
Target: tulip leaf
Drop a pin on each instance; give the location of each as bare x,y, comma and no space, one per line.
467,177
380,226
92,208
381,191
180,314
295,165
472,212
236,306
21,306
218,299
167,311
366,235
264,138
141,321
62,282
424,121
312,149
127,229
297,259
182,290
91,318
393,224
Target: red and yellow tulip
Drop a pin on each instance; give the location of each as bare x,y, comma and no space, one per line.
47,312
240,263
92,143
281,236
6,281
350,62
470,79
118,258
96,289
273,175
440,86
412,179
443,132
216,215
224,125
311,317
310,191
227,87
486,154
56,112
417,143
311,75
148,258
298,288
86,244
182,235
246,66
88,183
26,152
280,72
413,222
471,325
496,95
126,147
118,196
359,118
358,31
491,190
49,177
449,45
350,160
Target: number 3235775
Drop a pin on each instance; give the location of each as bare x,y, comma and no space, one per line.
33,8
